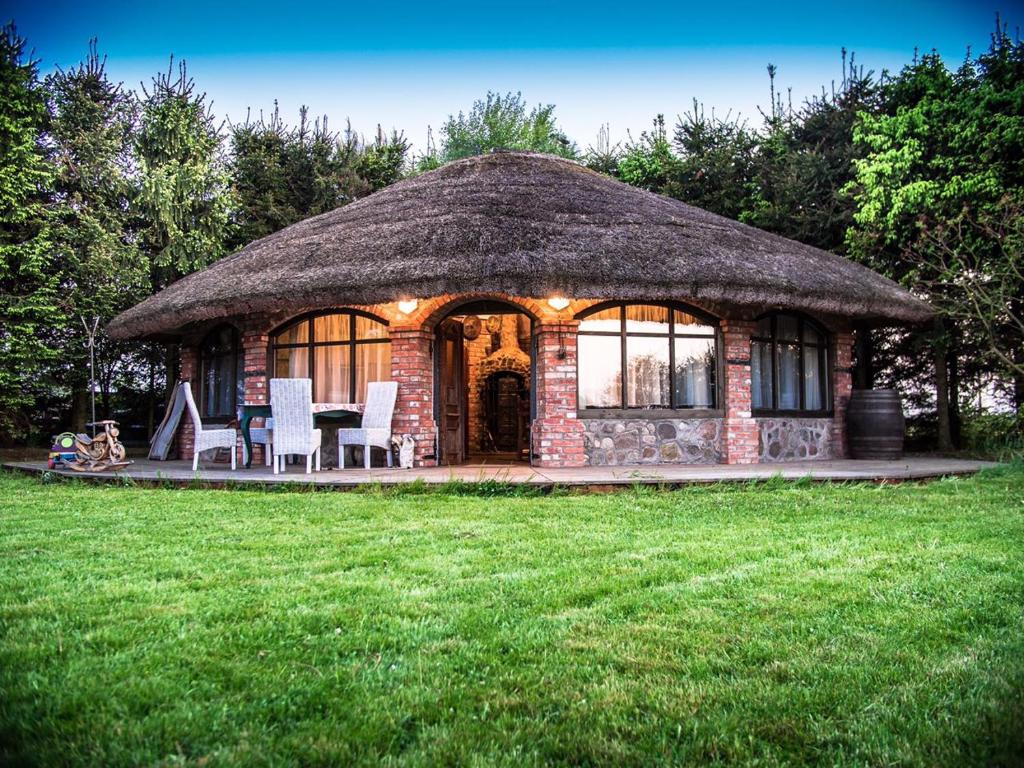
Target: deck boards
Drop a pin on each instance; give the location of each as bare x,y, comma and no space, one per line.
180,473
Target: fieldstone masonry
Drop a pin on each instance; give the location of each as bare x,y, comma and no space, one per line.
655,441
786,439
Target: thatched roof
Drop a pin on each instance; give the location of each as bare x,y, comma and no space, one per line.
527,225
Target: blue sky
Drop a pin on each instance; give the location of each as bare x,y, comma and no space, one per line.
408,65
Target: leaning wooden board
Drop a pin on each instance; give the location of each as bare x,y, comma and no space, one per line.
160,445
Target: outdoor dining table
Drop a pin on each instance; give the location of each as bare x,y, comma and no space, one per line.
340,414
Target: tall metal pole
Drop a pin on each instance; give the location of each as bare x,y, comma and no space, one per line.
90,334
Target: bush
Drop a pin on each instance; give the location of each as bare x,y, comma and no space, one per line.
993,435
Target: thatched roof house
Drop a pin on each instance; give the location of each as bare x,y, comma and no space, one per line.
522,228
524,225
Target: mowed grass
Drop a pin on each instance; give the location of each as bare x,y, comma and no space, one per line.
763,624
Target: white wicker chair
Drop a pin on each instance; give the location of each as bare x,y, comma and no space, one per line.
291,402
375,429
207,439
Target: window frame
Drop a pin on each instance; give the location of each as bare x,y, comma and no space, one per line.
237,372
674,411
310,344
825,371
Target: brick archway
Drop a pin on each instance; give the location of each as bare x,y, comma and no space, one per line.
484,357
430,313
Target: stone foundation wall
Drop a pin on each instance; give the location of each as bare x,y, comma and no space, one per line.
653,441
789,439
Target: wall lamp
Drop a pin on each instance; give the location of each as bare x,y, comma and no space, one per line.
408,306
558,303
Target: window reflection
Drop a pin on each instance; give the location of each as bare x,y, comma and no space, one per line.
221,373
600,372
670,359
788,365
647,368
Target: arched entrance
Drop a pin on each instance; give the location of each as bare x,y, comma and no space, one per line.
484,382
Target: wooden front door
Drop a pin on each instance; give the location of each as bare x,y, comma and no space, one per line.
505,410
452,394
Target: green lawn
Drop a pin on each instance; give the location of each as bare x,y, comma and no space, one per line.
767,624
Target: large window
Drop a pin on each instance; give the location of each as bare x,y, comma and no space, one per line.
788,365
646,356
220,373
341,352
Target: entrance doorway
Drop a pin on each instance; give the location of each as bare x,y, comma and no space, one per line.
483,378
506,413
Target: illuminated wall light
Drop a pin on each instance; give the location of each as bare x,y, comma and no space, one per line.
558,303
408,306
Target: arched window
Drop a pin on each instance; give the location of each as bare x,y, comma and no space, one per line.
788,365
220,371
339,351
647,356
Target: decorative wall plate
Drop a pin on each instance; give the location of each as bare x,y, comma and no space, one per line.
471,327
493,323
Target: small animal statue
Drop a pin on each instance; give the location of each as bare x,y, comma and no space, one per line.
406,451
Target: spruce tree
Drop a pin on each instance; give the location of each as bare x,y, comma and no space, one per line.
28,286
283,174
95,257
184,200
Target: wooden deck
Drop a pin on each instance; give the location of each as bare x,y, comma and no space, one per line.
180,473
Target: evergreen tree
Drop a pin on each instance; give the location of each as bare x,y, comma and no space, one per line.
28,288
382,162
716,168
184,203
805,159
707,163
96,260
603,156
281,175
649,162
184,200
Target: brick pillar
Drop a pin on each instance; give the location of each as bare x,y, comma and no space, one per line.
741,436
254,352
842,385
412,366
188,371
557,432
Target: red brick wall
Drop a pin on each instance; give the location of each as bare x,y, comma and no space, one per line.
189,371
255,345
741,434
412,366
842,385
557,432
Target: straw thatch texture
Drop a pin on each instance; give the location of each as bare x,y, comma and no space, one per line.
523,224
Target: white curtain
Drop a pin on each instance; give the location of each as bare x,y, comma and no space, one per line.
789,376
373,363
647,371
695,373
761,374
333,375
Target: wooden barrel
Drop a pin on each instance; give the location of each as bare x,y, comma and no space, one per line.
874,424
